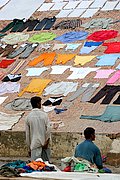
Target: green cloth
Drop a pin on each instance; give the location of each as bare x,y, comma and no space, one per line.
42,37
1,35
102,23
111,114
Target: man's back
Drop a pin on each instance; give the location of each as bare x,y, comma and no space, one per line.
36,126
89,151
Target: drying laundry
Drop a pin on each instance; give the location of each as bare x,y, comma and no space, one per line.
109,5
64,58
8,120
67,24
61,88
112,47
36,71
58,111
111,114
58,6
101,23
107,59
86,90
89,13
42,37
81,60
72,36
2,99
29,25
15,38
19,104
72,46
48,109
64,13
45,24
58,46
118,67
17,51
29,49
103,35
6,62
59,69
1,35
6,49
117,101
48,58
45,7
53,101
35,86
81,73
109,91
76,13
9,87
44,47
12,77
16,23
114,78
103,73
2,75
89,47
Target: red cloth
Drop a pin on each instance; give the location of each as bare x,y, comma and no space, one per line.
112,47
102,35
5,63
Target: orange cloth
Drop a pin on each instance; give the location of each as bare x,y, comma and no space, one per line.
64,58
48,58
36,165
36,86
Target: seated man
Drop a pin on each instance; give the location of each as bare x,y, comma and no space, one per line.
88,150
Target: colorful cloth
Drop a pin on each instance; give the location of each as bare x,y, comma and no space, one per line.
114,78
15,38
112,47
72,46
58,46
64,58
36,86
42,37
107,59
103,73
48,58
72,36
5,63
102,35
89,47
83,59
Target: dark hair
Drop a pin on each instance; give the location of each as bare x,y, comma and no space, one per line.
88,132
35,100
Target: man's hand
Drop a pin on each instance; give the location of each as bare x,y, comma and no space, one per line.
46,144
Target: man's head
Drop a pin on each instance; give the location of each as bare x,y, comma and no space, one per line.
36,102
89,133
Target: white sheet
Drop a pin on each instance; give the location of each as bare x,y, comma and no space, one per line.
89,13
109,5
19,9
3,2
64,13
84,4
8,120
59,69
72,175
58,6
45,7
2,99
71,5
98,4
118,6
76,13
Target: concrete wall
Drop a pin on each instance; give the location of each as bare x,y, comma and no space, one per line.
12,144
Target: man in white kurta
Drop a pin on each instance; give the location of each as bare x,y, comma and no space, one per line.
38,131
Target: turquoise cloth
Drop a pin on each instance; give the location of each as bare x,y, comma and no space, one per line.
111,114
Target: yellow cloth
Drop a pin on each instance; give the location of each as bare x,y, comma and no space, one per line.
36,86
64,58
83,59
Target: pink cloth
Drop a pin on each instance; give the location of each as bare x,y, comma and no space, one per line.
104,73
114,78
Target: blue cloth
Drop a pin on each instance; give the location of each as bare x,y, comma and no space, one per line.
89,47
89,151
58,111
107,59
72,36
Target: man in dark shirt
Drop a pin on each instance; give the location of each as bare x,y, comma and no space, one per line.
88,150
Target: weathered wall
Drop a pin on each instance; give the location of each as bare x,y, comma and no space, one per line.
12,144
